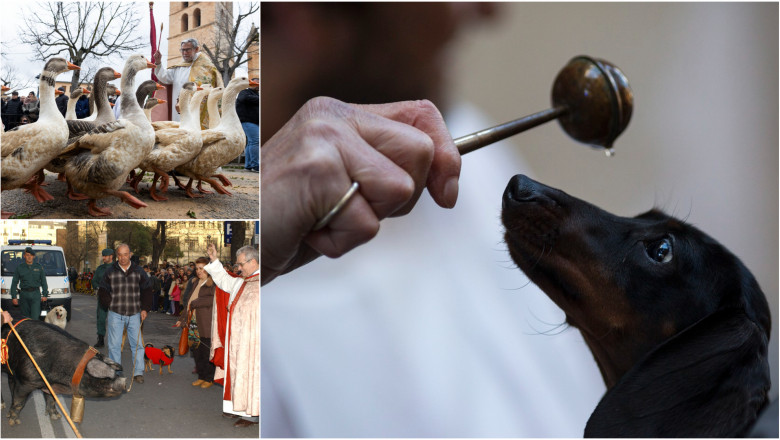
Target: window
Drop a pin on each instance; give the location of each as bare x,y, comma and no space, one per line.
53,261
184,26
184,4
196,18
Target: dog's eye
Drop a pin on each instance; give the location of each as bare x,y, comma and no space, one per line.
660,250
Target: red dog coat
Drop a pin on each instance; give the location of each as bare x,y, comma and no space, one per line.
157,356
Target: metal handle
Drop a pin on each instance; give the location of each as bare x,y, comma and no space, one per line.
482,138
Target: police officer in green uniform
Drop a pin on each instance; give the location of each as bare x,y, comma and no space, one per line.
102,313
31,279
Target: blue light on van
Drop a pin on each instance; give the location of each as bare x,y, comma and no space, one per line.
18,242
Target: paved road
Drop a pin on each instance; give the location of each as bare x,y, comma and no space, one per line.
164,405
244,203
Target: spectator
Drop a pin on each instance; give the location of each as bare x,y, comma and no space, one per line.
199,298
82,107
62,101
31,106
126,291
248,109
13,111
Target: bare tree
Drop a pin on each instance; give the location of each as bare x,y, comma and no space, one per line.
237,241
232,41
10,77
158,242
80,31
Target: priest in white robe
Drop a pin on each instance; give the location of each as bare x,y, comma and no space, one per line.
241,341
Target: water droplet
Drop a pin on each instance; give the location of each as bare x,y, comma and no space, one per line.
609,152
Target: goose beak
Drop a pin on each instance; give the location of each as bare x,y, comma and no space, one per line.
159,86
83,90
117,75
199,88
161,101
111,104
5,89
57,92
150,64
118,93
72,66
253,83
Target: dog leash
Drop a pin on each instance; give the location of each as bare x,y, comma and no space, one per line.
140,338
53,394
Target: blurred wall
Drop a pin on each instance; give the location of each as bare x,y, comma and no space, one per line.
703,139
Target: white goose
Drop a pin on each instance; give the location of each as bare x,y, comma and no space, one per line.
28,148
79,127
70,113
111,150
221,144
213,106
175,146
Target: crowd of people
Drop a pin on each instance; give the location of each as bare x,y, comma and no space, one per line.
19,111
217,304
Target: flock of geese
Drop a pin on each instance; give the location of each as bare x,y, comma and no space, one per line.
97,155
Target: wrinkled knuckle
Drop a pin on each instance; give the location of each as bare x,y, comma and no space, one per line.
402,190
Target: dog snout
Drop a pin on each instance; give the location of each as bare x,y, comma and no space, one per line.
521,189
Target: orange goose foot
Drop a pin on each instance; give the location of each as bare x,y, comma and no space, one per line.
136,180
153,193
96,211
178,182
61,177
189,192
225,181
39,193
201,189
127,198
73,195
214,184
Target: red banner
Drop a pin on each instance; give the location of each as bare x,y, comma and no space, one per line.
152,36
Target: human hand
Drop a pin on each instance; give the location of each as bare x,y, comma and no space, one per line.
178,324
7,317
44,299
157,57
15,302
211,250
393,151
143,315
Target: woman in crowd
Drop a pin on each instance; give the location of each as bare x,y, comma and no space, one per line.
199,298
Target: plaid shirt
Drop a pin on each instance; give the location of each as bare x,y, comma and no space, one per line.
125,293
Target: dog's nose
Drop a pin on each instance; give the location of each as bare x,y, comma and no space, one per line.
521,189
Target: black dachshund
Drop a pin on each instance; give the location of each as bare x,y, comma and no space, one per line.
677,324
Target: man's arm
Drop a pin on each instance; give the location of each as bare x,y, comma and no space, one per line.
14,282
104,289
44,285
162,73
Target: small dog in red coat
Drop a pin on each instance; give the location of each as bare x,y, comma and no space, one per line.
163,356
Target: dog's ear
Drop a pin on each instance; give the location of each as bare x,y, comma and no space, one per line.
710,380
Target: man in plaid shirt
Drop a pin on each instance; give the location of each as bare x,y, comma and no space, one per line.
126,291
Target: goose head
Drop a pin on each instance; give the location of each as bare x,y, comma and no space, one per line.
146,89
216,93
59,65
134,64
240,83
152,102
76,93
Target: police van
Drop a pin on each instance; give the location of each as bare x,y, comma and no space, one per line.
52,258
